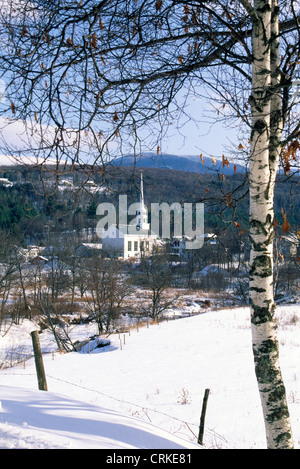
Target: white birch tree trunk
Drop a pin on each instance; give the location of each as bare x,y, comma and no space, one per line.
265,150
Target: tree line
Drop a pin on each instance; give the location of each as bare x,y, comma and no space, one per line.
23,211
65,289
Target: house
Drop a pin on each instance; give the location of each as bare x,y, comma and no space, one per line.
65,184
88,249
178,244
32,252
38,260
127,241
5,182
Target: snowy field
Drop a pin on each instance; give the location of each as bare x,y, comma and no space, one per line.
145,389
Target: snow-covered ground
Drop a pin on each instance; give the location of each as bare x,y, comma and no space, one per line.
145,389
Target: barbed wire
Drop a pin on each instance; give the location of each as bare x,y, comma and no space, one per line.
210,432
144,408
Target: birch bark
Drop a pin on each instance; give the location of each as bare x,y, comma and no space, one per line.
265,149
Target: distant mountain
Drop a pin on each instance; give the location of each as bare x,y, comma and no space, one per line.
188,163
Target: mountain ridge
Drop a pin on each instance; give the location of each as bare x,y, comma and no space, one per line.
187,163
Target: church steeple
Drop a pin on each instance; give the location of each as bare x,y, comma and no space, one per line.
142,213
142,193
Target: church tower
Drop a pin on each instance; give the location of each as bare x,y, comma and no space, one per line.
142,212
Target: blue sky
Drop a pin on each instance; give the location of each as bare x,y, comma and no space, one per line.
209,140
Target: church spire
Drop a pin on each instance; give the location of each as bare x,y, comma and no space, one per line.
142,213
142,194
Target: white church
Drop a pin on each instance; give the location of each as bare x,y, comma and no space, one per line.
127,241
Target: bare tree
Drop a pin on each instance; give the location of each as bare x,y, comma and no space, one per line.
157,275
107,289
56,277
83,76
51,317
12,281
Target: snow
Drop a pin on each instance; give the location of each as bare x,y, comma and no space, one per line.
46,420
145,390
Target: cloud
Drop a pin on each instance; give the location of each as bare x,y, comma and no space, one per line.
34,143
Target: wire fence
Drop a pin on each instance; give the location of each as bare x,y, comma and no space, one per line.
216,440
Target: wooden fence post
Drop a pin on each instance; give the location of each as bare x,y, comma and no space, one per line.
39,365
202,419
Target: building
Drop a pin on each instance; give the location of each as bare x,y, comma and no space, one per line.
127,241
88,250
178,244
38,261
5,182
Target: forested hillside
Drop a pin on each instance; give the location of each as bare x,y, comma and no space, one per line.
70,200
